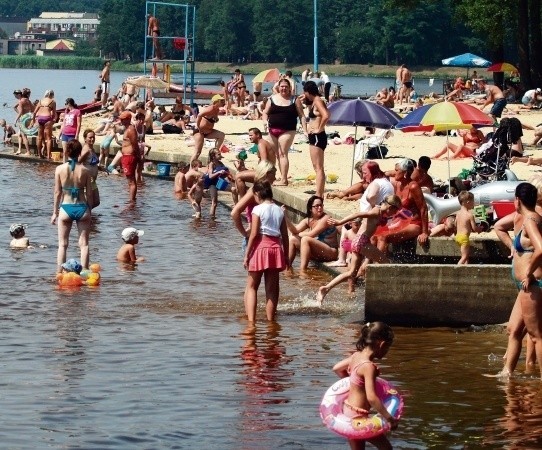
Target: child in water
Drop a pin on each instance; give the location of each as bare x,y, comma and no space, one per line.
361,245
19,239
266,250
375,341
126,253
465,225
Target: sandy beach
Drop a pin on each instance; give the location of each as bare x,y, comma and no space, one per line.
338,158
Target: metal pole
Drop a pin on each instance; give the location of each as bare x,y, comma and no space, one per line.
315,63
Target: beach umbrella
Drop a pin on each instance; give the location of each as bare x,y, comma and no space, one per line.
502,67
359,112
267,76
444,116
467,60
147,82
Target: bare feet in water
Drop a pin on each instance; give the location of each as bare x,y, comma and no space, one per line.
321,294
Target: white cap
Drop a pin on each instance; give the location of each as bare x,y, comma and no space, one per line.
129,233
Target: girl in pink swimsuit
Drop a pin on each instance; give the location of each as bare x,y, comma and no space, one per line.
375,341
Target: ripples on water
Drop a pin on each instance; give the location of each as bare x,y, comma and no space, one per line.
161,357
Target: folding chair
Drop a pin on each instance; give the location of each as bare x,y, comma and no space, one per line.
373,142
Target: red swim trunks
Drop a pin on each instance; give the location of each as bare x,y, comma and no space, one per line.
129,165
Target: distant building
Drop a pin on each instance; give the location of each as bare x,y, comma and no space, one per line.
66,25
22,44
57,47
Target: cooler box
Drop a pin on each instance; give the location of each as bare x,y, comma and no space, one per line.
502,208
163,169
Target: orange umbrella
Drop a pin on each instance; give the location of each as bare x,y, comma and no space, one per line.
502,67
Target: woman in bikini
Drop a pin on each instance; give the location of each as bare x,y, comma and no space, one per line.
72,197
318,117
472,139
526,315
411,196
313,237
280,120
45,116
240,85
205,124
90,161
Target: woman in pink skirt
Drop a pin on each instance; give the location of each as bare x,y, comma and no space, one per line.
265,252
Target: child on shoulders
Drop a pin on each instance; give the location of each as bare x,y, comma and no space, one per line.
465,225
127,253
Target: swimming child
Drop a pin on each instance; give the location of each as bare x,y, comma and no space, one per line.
361,245
19,239
195,193
71,265
375,341
465,225
446,228
126,253
348,233
265,254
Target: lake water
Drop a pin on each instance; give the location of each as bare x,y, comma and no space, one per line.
161,356
80,85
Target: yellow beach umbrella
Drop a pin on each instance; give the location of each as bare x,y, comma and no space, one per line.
267,76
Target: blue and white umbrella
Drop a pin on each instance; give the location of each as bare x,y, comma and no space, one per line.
466,60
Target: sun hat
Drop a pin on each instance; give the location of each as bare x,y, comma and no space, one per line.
130,233
72,265
16,228
216,98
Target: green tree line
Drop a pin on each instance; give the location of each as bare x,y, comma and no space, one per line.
416,32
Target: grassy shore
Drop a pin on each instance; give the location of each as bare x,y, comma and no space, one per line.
369,70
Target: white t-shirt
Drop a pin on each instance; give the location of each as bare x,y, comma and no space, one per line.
385,188
271,216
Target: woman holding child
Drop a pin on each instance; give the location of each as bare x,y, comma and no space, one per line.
411,196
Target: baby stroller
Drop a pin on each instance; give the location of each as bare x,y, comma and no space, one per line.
493,158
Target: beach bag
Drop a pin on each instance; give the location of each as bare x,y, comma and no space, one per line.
167,128
374,152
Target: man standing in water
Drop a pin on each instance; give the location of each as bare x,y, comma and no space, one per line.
130,153
154,31
106,82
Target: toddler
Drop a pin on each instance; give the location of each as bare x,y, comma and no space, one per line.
348,233
71,265
375,341
126,253
195,194
465,225
8,131
19,239
106,144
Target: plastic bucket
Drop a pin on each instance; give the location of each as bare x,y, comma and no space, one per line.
222,184
56,156
163,169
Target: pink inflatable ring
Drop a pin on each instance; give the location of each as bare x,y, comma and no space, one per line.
361,427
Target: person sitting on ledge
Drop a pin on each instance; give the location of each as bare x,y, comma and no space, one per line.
355,191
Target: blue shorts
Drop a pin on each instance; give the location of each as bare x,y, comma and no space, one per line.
498,107
67,137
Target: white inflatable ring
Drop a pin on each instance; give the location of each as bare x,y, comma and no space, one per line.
23,120
360,427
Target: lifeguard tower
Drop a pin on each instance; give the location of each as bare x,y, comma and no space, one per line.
182,47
